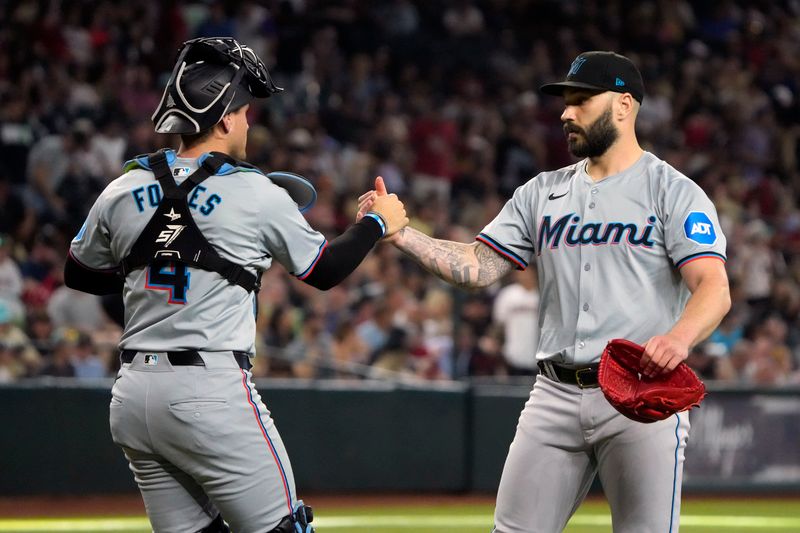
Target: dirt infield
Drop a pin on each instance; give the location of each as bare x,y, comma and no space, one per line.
131,504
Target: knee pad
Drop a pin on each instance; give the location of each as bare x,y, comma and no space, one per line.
217,526
297,522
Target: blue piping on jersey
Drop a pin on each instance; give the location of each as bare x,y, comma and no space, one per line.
675,473
307,272
692,257
496,246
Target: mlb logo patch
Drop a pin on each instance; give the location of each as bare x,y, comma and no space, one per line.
150,359
698,228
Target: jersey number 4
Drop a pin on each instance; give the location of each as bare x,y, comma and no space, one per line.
172,277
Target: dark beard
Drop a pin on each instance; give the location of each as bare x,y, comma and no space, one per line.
596,139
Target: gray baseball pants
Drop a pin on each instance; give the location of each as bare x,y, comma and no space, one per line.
564,437
200,441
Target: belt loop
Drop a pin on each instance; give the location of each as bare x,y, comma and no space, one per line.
546,367
243,360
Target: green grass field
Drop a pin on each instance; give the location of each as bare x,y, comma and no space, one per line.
698,516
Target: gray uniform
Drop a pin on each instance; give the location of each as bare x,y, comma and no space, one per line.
199,439
608,256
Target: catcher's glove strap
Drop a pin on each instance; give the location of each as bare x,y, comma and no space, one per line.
217,526
188,358
583,376
298,522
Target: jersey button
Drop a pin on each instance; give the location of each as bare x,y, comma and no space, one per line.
587,267
581,344
594,191
585,307
591,205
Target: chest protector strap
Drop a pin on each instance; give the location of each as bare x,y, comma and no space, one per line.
172,234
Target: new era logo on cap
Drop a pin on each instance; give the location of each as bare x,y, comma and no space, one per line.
601,71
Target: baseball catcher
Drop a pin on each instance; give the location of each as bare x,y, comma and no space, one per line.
184,236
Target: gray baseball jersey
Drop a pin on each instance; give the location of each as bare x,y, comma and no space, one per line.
608,253
246,217
608,256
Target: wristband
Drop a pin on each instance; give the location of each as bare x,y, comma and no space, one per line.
379,220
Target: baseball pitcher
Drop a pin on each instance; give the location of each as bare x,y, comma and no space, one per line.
626,247
184,236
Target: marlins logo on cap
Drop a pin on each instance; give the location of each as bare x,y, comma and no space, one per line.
601,71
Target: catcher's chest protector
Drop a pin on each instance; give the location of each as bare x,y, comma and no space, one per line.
172,236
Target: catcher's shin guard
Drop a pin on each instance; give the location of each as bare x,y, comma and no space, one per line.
298,522
217,526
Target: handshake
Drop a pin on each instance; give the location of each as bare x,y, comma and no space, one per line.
387,206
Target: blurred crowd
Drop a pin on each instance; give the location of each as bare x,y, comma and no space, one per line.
440,98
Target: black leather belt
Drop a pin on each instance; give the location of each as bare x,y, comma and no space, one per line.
584,377
188,358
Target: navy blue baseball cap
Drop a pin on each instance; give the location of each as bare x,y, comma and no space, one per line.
601,71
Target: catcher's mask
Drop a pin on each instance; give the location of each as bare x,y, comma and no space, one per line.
212,76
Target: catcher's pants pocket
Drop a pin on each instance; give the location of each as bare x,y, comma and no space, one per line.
196,404
205,419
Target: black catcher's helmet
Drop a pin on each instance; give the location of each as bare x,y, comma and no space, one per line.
212,76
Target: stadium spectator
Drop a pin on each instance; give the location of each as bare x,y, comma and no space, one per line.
70,308
516,310
10,369
26,359
86,362
311,351
11,283
65,342
349,351
16,219
374,332
65,173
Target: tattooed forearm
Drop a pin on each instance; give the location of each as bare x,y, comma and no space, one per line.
464,265
493,265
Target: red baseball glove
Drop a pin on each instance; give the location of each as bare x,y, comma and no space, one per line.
642,398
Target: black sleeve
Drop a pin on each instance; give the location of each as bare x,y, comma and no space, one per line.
80,278
344,253
114,308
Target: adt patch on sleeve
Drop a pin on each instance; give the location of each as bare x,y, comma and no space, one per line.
698,228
